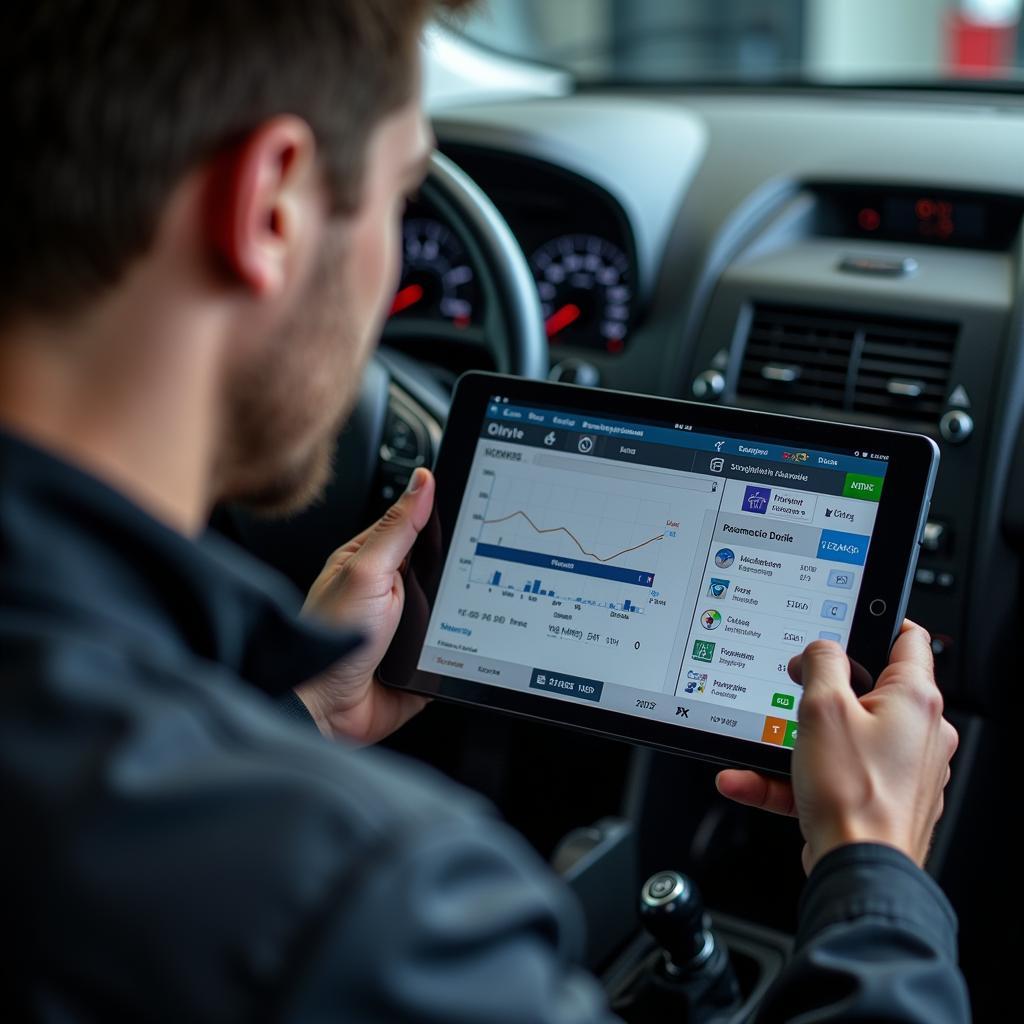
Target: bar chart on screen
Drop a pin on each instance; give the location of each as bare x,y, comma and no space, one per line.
591,559
570,541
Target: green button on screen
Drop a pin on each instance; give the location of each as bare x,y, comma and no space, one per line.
789,739
867,488
783,700
703,650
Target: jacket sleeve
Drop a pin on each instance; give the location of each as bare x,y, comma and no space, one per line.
459,923
876,942
290,705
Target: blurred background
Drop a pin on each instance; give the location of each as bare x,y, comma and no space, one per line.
827,41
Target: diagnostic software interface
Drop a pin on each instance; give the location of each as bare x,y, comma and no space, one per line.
653,570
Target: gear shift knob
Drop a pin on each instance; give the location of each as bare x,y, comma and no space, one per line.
672,910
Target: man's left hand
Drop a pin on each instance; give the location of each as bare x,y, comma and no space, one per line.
361,587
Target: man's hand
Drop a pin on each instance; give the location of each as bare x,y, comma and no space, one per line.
869,769
361,586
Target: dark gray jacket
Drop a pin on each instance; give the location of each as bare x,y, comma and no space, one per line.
177,849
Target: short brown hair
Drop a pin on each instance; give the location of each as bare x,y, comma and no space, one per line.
106,104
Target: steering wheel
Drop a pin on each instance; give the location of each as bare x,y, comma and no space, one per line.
513,326
397,422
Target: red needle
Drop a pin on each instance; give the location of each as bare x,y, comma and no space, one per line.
408,296
561,318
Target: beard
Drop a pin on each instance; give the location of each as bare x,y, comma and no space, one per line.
286,409
294,488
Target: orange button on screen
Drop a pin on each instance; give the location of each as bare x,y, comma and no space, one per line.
774,730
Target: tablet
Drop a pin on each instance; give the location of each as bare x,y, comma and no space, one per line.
646,568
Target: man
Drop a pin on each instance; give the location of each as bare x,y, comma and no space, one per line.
201,210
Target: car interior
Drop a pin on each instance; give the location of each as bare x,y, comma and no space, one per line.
807,206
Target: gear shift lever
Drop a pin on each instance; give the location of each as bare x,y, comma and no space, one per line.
672,910
690,979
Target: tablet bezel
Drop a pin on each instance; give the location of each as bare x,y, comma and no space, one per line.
902,512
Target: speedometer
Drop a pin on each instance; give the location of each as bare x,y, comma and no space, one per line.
437,280
585,291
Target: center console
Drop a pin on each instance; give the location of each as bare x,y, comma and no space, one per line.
890,306
660,952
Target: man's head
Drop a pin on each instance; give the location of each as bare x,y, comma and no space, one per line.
264,150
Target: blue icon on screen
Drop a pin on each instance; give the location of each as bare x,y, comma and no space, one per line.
755,499
841,579
835,546
724,558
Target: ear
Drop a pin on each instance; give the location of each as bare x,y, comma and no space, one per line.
265,196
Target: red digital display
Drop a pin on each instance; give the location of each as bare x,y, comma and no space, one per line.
935,218
923,215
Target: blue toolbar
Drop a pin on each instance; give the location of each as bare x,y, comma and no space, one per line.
576,565
600,425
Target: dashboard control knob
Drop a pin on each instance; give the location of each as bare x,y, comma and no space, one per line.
575,371
708,385
956,426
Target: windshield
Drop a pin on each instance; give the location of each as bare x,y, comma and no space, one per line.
830,41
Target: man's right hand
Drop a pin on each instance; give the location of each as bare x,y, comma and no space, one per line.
865,770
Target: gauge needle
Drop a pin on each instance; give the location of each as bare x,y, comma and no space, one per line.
562,318
408,296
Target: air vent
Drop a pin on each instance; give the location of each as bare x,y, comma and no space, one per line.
898,367
797,355
904,368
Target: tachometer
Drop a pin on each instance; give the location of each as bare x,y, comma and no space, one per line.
437,280
585,291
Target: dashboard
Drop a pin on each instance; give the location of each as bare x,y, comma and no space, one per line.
826,254
575,236
844,254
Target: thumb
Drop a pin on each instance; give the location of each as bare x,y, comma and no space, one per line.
391,538
824,674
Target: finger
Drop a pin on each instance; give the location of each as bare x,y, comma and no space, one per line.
822,662
825,678
860,678
793,668
389,540
817,650
354,544
912,650
394,708
951,738
754,790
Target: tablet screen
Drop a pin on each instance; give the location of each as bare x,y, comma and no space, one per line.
651,568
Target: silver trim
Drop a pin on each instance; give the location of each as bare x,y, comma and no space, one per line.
915,551
782,374
709,384
905,388
964,429
671,967
678,889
